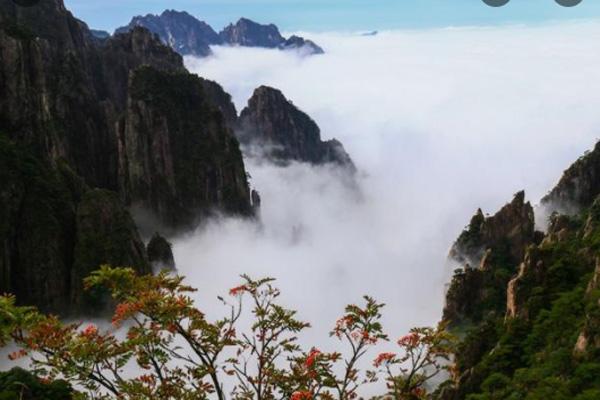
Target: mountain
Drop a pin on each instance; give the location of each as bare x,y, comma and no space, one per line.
304,45
160,253
579,185
190,36
525,303
487,242
251,34
181,31
280,131
98,34
89,130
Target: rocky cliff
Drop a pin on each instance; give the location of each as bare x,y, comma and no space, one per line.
512,228
488,252
251,34
579,185
299,43
91,127
160,253
527,309
55,230
189,36
280,131
99,34
180,159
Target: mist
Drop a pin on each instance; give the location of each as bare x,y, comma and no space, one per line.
438,122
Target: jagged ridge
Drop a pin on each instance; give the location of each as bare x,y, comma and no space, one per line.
190,36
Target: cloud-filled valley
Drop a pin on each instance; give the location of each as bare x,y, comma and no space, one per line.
446,176
439,123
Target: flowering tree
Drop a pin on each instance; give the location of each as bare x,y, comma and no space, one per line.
424,353
272,337
162,347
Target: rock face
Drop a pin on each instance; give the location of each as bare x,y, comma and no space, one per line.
181,31
589,338
90,127
299,43
578,186
512,226
160,253
55,230
251,34
488,250
98,34
523,298
181,159
190,36
283,133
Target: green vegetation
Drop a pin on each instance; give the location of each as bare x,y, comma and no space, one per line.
18,384
534,356
54,230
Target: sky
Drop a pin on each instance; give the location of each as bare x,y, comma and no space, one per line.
338,15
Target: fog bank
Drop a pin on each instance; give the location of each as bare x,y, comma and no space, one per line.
440,122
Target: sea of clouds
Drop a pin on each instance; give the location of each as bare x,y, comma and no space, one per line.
439,123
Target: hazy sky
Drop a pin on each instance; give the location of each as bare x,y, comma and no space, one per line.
324,15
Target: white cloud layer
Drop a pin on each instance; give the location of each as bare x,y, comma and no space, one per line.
440,122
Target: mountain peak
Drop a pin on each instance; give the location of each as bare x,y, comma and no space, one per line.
579,185
189,36
178,29
284,133
248,33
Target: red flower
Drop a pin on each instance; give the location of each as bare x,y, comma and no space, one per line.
238,290
344,323
311,358
383,358
149,379
301,395
90,330
17,354
123,311
411,340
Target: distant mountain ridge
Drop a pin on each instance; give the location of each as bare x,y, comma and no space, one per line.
189,36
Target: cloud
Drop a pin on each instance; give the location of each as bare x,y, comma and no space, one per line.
440,122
